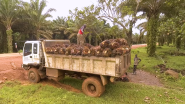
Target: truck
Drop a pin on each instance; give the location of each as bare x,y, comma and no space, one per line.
97,71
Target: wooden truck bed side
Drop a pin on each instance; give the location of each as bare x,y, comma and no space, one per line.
106,66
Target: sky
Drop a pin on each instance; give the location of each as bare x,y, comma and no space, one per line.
63,6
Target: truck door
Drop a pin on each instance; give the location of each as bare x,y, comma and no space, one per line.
27,55
36,58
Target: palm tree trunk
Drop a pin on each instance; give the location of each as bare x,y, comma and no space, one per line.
151,35
4,42
129,34
9,40
37,35
96,41
178,41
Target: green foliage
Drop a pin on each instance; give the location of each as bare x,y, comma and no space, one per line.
20,51
163,56
118,13
97,30
30,22
37,18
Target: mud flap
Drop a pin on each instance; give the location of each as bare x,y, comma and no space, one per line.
104,80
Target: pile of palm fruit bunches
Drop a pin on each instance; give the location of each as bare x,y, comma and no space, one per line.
107,48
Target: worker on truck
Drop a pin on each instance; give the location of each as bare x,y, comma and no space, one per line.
80,36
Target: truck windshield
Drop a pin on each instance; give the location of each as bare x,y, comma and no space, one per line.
27,49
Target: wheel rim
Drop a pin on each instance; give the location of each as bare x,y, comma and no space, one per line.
91,88
32,76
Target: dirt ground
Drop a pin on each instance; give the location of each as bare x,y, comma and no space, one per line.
144,78
10,69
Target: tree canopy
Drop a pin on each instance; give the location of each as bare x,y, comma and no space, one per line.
110,19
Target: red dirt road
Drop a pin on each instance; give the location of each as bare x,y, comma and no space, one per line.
139,45
10,67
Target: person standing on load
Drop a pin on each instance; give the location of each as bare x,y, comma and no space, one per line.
136,62
80,36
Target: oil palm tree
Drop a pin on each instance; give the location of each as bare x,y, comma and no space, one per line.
153,9
36,16
9,10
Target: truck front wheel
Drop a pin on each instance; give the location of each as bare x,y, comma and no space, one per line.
33,75
93,87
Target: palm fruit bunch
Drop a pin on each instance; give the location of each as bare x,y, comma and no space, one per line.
79,51
120,51
85,51
107,48
56,49
98,51
121,41
126,47
116,47
62,50
48,50
68,50
113,45
87,45
76,50
107,52
65,45
53,49
114,53
91,52
105,44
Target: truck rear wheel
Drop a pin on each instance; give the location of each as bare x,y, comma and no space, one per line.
93,87
33,75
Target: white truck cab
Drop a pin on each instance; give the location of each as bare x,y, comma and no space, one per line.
32,53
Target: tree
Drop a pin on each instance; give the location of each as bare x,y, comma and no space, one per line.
97,29
59,25
36,16
88,16
153,9
117,10
9,10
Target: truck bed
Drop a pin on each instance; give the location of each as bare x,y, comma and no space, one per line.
106,66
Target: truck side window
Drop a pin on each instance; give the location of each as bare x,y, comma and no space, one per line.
35,48
27,49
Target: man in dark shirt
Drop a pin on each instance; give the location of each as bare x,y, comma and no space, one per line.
136,62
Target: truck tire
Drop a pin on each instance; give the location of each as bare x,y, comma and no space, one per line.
93,87
33,75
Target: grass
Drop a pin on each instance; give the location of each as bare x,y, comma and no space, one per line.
162,57
116,93
149,63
